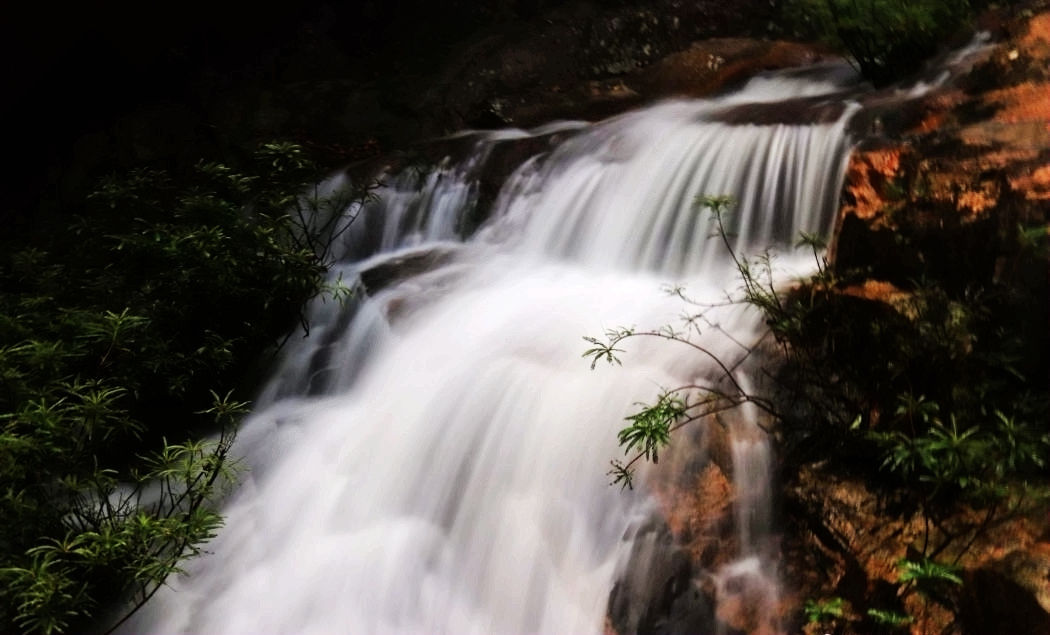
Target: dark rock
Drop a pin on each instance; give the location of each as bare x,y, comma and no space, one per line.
713,65
994,602
656,592
791,112
399,268
578,60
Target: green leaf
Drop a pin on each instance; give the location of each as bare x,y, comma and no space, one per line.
925,571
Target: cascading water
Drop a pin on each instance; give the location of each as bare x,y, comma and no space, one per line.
432,458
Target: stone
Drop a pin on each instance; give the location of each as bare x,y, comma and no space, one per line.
655,592
713,65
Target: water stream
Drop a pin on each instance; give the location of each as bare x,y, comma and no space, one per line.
432,458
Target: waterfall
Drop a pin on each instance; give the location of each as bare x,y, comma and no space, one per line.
432,458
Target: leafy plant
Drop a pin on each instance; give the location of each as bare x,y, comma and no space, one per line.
824,611
928,577
651,427
116,332
892,620
925,573
131,532
886,39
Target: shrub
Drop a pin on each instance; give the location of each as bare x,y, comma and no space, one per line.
887,39
118,331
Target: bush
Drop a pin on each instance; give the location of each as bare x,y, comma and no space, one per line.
887,39
118,332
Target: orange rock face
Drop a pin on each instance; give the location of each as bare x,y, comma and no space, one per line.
870,174
857,556
699,516
696,496
999,128
969,165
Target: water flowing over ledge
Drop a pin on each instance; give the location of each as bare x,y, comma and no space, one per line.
431,459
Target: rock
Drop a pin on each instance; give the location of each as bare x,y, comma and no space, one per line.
747,599
713,65
845,537
584,62
790,112
349,80
693,486
656,592
408,282
394,270
1009,596
706,68
685,573
957,173
701,517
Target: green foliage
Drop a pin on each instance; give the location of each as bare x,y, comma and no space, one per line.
823,611
606,350
650,427
930,384
887,39
892,620
925,573
131,533
649,431
972,463
929,578
115,332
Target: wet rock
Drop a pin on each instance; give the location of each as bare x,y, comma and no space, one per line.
706,68
700,516
791,112
713,65
686,573
747,599
399,268
656,592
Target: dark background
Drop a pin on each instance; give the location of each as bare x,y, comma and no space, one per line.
73,69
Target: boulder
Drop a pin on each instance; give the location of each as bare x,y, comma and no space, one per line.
713,65
656,591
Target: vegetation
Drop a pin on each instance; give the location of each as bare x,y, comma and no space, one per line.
119,331
929,397
825,613
886,39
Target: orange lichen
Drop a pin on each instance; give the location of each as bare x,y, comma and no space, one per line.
976,201
937,107
1038,33
1028,101
877,290
1035,183
1001,148
698,514
866,178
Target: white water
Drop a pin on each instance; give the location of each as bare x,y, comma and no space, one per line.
448,473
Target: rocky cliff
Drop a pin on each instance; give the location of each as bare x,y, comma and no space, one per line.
941,191
951,192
